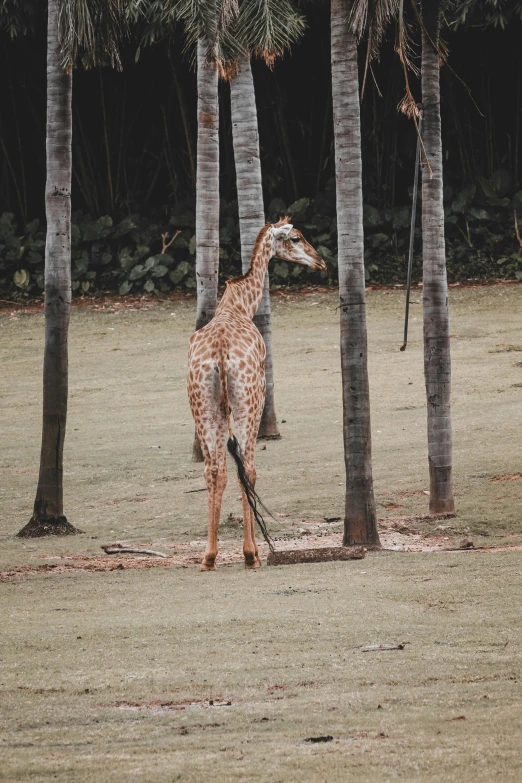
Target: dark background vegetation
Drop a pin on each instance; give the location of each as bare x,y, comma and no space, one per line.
134,161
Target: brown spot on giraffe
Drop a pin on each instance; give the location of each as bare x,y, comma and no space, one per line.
226,376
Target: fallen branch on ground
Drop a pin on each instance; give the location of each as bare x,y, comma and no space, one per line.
319,555
115,549
380,647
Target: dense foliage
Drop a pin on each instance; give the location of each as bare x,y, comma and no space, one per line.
134,140
131,255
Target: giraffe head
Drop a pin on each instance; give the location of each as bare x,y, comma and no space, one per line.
290,245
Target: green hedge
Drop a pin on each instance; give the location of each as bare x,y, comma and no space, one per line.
125,255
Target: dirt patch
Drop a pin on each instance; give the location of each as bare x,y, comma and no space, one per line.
397,535
508,477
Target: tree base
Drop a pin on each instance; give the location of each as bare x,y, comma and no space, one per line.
268,425
38,527
371,546
442,507
442,500
360,532
442,514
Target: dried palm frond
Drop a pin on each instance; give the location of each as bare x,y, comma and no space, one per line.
373,17
403,47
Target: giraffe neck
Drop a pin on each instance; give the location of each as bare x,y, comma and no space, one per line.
247,291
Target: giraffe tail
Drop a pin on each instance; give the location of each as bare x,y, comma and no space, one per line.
250,492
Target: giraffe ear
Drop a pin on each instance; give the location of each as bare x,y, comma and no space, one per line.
282,231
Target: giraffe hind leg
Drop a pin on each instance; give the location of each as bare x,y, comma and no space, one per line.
250,550
246,397
247,473
215,472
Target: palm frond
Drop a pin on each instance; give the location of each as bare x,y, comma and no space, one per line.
90,31
199,17
232,28
268,28
483,13
212,21
17,17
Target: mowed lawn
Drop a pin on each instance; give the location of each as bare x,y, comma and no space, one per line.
110,676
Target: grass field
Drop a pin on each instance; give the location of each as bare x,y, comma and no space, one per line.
109,675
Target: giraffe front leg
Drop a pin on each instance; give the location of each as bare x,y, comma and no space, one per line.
216,480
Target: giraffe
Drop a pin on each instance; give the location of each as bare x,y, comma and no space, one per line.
226,375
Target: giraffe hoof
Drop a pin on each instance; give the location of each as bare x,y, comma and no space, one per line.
255,564
208,566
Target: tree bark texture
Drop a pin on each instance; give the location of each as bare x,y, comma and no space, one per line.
437,360
207,190
252,214
360,524
207,199
48,515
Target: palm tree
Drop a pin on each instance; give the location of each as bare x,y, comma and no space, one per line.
207,188
252,214
437,360
267,30
74,32
205,24
360,524
207,197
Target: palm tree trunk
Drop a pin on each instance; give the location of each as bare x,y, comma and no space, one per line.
207,198
207,190
48,518
252,215
360,525
437,361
